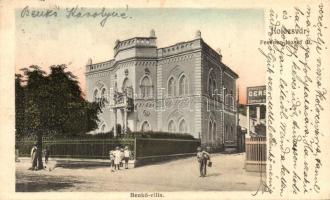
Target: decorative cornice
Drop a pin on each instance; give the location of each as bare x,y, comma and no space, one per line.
176,58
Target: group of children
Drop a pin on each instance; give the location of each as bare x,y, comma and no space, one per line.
117,157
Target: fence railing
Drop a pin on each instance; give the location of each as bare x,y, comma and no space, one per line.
255,148
142,150
78,148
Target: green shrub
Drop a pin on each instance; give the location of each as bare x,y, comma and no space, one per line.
109,135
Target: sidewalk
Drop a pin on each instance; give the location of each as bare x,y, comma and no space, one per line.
226,174
76,162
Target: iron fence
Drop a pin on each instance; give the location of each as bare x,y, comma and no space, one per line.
79,148
141,148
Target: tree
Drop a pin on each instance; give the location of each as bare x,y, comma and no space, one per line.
19,105
52,105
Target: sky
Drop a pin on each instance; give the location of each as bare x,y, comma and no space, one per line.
72,41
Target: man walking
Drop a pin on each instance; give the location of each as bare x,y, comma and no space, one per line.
202,157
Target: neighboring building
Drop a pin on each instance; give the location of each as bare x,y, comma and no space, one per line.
179,88
253,122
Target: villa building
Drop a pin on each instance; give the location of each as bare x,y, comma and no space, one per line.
182,88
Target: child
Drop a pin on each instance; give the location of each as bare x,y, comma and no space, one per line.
117,155
112,160
46,152
121,157
126,156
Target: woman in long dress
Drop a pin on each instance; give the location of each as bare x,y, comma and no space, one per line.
34,157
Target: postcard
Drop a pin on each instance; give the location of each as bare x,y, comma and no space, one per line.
164,99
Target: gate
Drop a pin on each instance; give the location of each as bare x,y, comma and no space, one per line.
255,148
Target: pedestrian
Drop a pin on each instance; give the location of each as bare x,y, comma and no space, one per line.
126,156
112,160
46,153
202,158
117,161
121,157
34,157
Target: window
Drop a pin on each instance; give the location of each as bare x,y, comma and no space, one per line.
210,130
126,84
127,87
214,86
145,127
95,96
214,130
210,86
104,97
225,96
103,93
116,87
171,126
171,87
183,85
146,87
229,98
182,126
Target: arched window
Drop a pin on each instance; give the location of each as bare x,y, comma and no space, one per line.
171,87
214,85
103,95
126,84
116,87
210,130
214,130
225,96
171,126
182,126
183,85
127,87
210,86
146,87
145,127
96,96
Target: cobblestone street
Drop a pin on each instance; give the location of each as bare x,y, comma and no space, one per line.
226,174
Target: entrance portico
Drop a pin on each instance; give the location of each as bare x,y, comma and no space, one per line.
124,103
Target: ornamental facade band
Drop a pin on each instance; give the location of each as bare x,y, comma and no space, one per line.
182,88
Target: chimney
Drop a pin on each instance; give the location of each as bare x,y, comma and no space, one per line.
198,34
219,52
88,64
152,33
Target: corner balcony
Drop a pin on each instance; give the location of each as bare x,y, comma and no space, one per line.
123,100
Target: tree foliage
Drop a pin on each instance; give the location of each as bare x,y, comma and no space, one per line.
52,104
